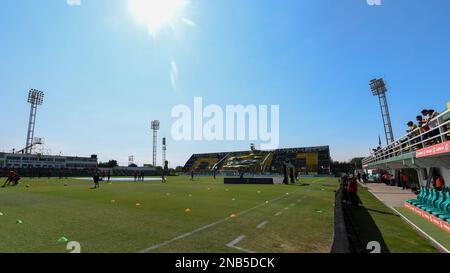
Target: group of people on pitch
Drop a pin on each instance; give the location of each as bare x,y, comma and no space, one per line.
13,178
350,185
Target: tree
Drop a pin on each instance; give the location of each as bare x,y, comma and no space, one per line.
110,164
357,162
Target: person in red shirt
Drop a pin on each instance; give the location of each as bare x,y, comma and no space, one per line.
353,191
440,184
11,176
424,128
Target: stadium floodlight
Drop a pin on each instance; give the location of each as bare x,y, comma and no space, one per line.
35,98
155,127
379,89
164,149
130,160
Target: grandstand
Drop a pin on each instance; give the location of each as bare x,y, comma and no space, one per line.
424,156
309,160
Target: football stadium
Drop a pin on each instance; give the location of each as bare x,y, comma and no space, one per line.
277,201
293,146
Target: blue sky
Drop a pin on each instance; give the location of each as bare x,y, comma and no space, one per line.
106,78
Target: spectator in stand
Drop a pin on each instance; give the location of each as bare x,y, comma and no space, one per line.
413,133
425,114
424,128
432,114
432,123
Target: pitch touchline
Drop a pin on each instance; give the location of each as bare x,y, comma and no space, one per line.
147,250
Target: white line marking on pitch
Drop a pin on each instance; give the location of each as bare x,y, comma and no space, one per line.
262,224
147,250
278,213
233,244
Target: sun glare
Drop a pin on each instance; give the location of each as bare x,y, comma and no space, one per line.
156,14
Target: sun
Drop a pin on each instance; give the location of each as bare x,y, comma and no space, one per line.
156,14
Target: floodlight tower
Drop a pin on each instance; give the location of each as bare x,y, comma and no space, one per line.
164,149
155,128
35,98
378,87
130,160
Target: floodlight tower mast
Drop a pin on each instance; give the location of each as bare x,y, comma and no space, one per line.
35,98
378,87
155,128
130,160
164,149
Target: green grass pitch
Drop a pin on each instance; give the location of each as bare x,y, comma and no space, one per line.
152,216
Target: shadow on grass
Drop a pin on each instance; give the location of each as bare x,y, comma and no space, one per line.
364,228
381,212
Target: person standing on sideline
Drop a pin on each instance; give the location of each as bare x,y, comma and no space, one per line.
109,176
96,179
364,178
404,179
353,191
135,176
439,181
192,174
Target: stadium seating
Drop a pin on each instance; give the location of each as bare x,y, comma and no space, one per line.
247,161
203,162
434,202
310,160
